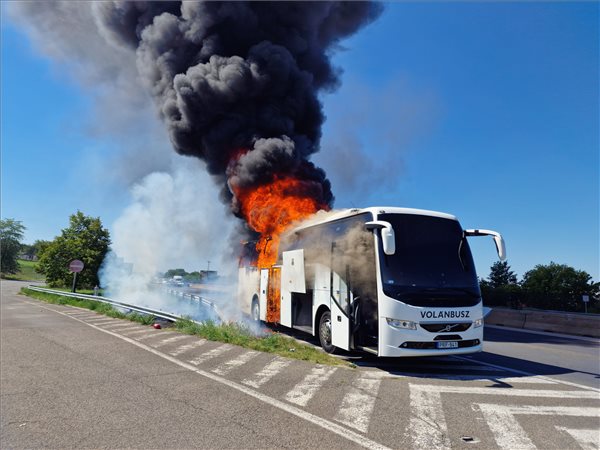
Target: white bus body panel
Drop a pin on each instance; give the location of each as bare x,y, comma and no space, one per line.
248,285
391,338
262,296
292,272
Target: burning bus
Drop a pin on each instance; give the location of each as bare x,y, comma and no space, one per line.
388,281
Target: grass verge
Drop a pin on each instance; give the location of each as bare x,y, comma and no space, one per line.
239,334
231,333
99,307
26,272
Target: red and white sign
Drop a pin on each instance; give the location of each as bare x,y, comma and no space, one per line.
76,266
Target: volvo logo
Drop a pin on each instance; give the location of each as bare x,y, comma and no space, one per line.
449,327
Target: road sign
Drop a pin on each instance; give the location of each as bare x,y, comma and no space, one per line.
585,298
76,266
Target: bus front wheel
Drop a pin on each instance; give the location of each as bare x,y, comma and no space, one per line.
325,332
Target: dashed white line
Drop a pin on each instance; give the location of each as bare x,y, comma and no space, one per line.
170,340
116,326
228,366
155,334
130,328
211,354
138,331
300,413
507,431
587,439
486,377
267,372
306,389
508,392
101,320
187,347
522,372
427,424
358,403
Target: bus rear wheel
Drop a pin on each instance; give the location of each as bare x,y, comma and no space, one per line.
325,332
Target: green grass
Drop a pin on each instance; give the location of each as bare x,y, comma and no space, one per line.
99,307
231,333
26,273
79,291
238,334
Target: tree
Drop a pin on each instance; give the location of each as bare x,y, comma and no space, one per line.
84,239
558,286
501,275
11,233
175,272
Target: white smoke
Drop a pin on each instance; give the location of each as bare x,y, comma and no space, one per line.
172,222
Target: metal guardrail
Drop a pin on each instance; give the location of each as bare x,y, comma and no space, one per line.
205,301
110,301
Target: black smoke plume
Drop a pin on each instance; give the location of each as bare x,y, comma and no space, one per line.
237,83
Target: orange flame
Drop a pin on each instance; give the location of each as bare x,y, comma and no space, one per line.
270,209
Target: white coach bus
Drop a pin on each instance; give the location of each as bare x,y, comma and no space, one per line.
388,281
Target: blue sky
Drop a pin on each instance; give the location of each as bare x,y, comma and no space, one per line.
488,111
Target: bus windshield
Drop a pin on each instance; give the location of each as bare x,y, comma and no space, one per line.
432,265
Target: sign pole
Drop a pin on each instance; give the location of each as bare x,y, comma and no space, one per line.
586,299
74,281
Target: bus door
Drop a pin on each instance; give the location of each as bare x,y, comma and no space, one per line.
340,300
273,295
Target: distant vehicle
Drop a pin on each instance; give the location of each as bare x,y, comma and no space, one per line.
388,281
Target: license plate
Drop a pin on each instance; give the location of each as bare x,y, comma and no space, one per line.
446,344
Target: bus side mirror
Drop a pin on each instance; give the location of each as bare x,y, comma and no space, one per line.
500,247
388,238
498,240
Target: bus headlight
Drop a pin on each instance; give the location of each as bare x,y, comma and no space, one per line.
477,323
401,324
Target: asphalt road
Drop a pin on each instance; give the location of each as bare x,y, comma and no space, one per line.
74,379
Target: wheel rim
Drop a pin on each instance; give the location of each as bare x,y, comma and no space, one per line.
326,331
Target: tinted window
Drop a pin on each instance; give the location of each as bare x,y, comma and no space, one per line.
432,263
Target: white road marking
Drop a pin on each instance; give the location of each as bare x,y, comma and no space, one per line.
448,368
496,379
130,328
508,392
138,331
85,315
186,347
427,425
170,340
211,354
118,325
358,403
228,366
269,371
305,415
306,389
507,431
155,333
522,372
99,320
587,439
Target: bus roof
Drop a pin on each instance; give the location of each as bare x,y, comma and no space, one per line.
325,217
